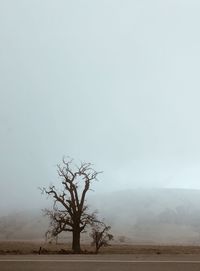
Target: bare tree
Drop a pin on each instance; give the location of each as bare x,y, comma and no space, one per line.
70,212
50,236
100,235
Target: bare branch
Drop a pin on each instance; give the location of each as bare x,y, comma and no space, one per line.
73,214
100,235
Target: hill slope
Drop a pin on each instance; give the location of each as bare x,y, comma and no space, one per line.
164,216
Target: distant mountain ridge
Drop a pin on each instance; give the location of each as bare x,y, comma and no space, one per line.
157,216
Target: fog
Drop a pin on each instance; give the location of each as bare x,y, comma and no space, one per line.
138,216
115,83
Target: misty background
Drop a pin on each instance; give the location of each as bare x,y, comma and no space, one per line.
111,82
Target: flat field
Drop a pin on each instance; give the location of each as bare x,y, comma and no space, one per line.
27,247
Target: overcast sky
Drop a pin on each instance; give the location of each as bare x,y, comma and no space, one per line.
115,83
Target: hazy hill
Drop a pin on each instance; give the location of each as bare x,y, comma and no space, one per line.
25,225
154,215
142,216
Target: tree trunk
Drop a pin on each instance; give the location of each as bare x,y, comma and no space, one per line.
96,250
76,241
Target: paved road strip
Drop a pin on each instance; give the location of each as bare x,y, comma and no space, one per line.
96,261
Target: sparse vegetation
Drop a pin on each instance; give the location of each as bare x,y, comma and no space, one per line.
122,239
11,247
101,236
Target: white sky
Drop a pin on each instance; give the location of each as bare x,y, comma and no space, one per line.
115,83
